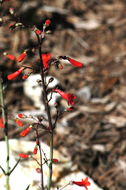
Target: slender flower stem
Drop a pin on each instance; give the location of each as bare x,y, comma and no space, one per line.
41,164
46,103
50,164
4,116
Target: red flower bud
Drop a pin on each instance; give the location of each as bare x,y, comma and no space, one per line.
21,155
22,56
37,142
19,123
38,32
15,74
38,170
75,63
20,115
67,96
26,131
35,150
47,22
1,123
55,160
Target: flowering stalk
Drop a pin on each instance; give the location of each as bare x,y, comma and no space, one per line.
46,103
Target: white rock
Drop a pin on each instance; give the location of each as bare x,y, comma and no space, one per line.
33,91
25,173
84,93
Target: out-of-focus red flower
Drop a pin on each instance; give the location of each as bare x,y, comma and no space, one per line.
1,123
15,74
75,63
26,131
47,22
22,155
21,115
35,150
19,123
11,57
38,32
83,183
46,57
67,96
22,56
55,160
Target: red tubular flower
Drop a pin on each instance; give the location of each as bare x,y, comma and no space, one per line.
35,150
83,183
21,155
26,131
11,57
47,22
1,123
74,62
15,74
19,123
22,56
46,57
67,96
